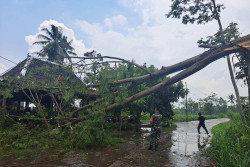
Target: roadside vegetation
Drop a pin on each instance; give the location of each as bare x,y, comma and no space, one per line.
28,141
231,143
194,117
31,140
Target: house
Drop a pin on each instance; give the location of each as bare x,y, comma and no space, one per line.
42,76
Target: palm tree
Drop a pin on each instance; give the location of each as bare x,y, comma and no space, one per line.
232,99
55,45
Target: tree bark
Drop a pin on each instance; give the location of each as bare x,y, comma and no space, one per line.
189,71
229,65
215,53
235,89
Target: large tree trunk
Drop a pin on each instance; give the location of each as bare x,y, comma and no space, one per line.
191,65
209,56
229,65
235,89
189,71
181,65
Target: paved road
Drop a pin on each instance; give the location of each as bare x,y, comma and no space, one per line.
188,145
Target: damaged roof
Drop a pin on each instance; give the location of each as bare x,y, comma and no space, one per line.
42,70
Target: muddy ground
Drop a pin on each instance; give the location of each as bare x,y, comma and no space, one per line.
177,148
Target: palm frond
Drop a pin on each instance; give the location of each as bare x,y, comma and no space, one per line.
55,45
43,37
70,42
47,32
68,57
39,54
40,43
73,53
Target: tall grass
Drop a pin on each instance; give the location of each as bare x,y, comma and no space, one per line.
230,143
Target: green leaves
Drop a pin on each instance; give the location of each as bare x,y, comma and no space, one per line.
230,33
68,95
191,11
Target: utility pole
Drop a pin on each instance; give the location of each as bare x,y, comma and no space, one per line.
186,103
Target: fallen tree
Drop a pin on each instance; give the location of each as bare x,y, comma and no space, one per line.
184,74
189,67
166,70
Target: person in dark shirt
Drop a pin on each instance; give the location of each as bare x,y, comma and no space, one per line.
201,123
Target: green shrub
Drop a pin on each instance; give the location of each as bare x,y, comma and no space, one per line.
145,117
125,126
230,144
20,139
233,115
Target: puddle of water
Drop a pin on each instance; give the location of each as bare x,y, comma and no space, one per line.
187,142
145,132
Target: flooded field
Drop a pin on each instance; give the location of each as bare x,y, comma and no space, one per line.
178,148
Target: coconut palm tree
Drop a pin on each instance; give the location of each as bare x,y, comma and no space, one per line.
55,45
231,99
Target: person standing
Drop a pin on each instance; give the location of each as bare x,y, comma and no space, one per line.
201,123
155,122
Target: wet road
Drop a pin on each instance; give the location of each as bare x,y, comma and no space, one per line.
183,147
188,145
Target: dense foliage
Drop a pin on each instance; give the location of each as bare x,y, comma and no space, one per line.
32,140
230,143
191,11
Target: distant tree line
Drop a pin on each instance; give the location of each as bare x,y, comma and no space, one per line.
212,104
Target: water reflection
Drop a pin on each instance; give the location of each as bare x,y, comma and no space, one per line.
187,142
202,142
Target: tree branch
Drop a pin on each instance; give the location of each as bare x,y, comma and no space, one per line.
189,71
109,57
179,66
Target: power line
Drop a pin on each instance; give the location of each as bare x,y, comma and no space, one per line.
8,60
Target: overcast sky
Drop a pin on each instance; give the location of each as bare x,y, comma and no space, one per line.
130,29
